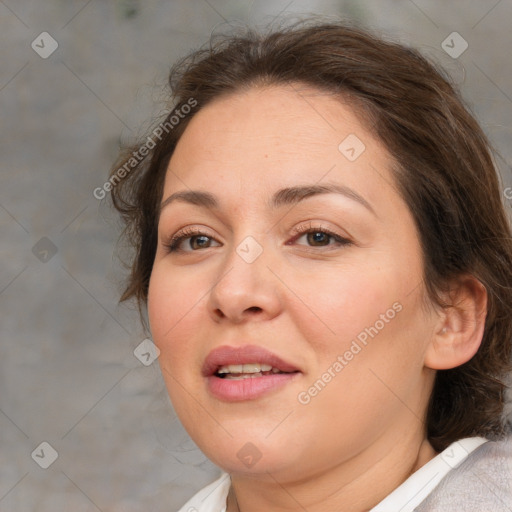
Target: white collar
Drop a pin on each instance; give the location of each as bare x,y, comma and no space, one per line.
404,498
407,496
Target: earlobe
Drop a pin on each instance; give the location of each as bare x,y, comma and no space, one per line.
459,330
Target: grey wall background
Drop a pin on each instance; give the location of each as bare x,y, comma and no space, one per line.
68,373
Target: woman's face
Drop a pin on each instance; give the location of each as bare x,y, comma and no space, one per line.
300,260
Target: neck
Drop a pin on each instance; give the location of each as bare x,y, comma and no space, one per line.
356,485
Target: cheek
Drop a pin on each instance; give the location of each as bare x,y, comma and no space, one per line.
333,307
174,302
375,357
173,309
370,314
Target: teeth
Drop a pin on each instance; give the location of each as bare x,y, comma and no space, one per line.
243,376
231,368
249,368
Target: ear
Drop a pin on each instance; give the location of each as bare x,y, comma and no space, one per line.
460,326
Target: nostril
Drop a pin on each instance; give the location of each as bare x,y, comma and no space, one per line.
239,316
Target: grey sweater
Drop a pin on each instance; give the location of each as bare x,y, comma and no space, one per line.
482,483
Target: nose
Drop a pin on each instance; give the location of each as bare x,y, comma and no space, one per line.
245,289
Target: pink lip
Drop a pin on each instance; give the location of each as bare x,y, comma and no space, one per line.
246,389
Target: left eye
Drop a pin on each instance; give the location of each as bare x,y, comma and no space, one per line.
322,238
317,238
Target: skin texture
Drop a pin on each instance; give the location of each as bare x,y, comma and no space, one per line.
304,300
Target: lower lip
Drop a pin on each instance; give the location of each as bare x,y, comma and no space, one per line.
231,390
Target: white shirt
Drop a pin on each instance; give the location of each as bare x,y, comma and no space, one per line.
405,498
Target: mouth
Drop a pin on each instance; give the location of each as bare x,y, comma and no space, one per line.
245,373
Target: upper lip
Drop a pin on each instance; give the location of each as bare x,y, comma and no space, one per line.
225,355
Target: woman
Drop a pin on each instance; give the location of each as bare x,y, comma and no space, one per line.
327,269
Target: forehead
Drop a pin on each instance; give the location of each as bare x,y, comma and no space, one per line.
266,138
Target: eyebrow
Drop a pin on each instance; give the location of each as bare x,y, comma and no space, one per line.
283,197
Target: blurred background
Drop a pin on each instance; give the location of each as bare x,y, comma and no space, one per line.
85,421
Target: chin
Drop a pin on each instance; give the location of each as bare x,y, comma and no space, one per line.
255,455
260,468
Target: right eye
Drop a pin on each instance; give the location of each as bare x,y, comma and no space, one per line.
197,240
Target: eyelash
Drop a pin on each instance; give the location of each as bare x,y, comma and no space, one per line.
180,236
310,228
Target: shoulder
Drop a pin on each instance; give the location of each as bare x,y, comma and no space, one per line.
211,498
481,483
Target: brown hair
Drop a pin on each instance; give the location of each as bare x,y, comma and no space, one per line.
444,171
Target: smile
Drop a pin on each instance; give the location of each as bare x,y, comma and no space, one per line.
232,375
246,371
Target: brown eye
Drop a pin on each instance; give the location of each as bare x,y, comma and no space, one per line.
318,238
202,242
196,240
